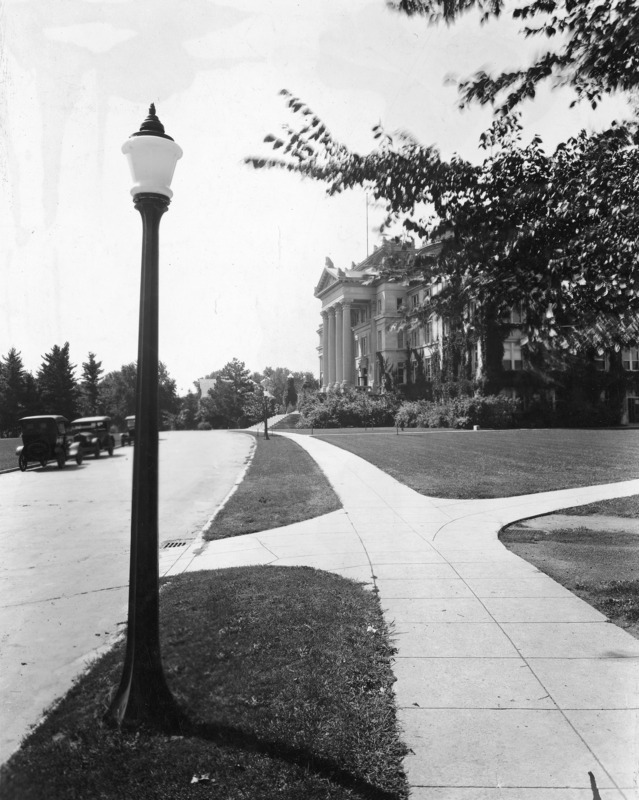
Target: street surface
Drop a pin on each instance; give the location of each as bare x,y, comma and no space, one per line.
65,539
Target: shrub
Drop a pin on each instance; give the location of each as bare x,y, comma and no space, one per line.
491,411
346,409
205,426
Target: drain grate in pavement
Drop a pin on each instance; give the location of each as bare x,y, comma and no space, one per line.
175,543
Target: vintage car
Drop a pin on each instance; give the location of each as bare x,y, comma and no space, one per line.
128,437
46,438
94,435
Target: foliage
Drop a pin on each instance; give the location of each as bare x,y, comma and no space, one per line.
554,231
18,393
57,387
279,382
491,411
189,415
290,398
118,388
347,408
594,52
225,405
90,386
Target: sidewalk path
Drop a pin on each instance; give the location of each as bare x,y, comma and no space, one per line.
509,687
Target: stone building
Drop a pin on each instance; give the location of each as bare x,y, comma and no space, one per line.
361,346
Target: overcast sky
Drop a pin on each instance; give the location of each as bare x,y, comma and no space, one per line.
241,251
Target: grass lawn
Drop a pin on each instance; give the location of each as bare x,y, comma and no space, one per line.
283,674
283,485
8,458
600,566
477,464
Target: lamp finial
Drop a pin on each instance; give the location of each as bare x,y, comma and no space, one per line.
152,125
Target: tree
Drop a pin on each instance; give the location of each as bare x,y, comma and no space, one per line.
189,414
90,386
225,405
279,384
18,397
117,393
595,50
57,386
554,232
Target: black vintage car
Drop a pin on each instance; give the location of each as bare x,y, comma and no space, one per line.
46,438
128,437
93,435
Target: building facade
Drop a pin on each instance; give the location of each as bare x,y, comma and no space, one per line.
361,345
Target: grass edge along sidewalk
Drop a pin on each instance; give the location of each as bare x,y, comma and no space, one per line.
284,675
283,485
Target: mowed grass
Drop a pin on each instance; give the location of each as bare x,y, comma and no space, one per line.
284,678
482,464
8,458
283,485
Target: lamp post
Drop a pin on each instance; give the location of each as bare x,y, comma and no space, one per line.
266,396
143,695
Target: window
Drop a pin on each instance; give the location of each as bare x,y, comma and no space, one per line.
400,372
379,340
600,362
414,338
363,349
428,332
400,340
379,306
631,359
414,300
400,303
428,369
512,356
516,317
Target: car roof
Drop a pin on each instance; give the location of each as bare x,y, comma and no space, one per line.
56,417
89,419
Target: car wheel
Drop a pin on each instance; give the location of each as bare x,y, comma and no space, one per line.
78,458
43,462
110,448
61,460
22,462
96,451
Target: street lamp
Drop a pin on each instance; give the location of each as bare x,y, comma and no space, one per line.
143,695
266,396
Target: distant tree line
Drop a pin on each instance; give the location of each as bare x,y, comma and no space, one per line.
237,400
54,389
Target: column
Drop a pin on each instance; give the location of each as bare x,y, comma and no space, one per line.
372,350
347,345
331,347
339,356
325,349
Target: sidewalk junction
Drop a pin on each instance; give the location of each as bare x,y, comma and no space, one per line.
508,685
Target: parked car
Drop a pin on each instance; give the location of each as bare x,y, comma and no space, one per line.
47,438
94,435
128,437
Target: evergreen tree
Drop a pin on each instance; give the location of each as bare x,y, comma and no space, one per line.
58,388
225,406
16,393
90,386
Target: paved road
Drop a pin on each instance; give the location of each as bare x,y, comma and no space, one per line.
65,539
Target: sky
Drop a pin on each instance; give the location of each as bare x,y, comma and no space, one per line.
240,250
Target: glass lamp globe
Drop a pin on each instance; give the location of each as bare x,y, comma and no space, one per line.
152,156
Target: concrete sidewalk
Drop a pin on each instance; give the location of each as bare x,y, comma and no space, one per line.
508,685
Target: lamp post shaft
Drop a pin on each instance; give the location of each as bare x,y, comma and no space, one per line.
143,695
